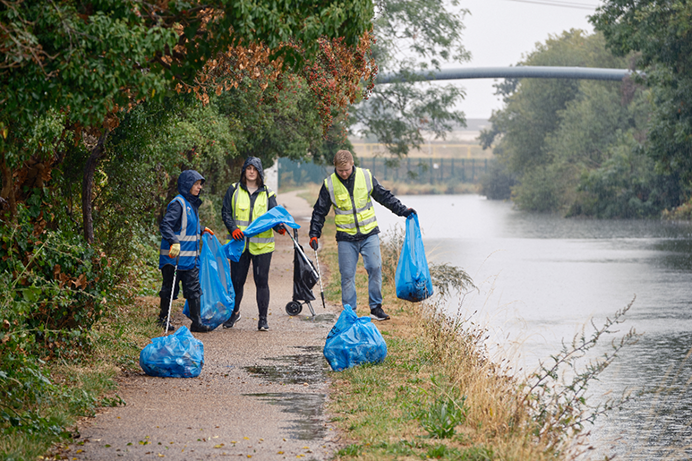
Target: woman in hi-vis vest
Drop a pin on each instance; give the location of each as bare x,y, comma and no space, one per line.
244,202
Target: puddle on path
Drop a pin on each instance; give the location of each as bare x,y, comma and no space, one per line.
309,367
308,423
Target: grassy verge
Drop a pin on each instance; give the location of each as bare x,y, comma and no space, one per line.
61,391
436,395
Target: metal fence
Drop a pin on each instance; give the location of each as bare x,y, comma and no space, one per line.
412,170
427,170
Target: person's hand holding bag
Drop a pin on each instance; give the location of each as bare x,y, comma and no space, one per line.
238,235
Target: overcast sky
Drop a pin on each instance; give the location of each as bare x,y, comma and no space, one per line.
499,32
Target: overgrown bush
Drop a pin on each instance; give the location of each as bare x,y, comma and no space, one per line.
497,183
53,288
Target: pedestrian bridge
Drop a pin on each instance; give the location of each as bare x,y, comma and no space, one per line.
588,73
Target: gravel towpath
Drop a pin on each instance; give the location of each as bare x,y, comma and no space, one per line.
260,395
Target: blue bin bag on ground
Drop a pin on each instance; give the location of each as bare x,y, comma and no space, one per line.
179,355
277,215
413,282
352,341
215,280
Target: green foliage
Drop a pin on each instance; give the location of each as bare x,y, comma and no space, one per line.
412,36
442,417
497,183
82,55
576,146
350,450
55,286
659,33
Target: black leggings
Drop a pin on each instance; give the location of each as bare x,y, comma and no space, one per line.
260,274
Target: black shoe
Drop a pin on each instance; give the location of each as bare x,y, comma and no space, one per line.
262,324
378,314
200,328
232,321
162,323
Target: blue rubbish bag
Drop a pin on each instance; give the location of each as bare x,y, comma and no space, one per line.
215,280
413,282
277,215
179,355
352,341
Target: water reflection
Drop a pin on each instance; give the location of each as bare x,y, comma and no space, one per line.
543,278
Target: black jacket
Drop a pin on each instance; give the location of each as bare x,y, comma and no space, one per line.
324,203
227,212
172,219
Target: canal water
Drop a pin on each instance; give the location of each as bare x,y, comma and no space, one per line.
542,279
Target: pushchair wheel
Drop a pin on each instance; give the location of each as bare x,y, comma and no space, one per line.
293,308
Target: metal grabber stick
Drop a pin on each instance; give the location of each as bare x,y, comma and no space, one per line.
170,303
317,260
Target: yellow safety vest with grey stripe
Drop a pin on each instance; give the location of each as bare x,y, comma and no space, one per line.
355,213
260,243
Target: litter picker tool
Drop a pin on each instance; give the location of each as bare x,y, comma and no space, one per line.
317,261
170,303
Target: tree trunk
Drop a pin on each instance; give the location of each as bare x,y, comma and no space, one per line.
97,154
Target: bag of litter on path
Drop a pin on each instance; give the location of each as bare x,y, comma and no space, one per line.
352,341
179,355
413,282
215,280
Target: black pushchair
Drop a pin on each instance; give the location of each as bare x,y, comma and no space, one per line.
305,276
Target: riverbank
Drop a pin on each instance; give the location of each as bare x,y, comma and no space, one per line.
437,395
270,395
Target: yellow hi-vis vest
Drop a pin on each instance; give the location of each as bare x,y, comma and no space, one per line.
355,213
260,243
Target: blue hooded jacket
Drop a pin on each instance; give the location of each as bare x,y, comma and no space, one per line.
183,209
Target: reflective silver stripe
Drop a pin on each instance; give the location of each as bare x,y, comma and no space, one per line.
242,223
367,221
189,238
368,181
365,208
183,226
235,204
181,254
340,211
261,240
330,188
346,225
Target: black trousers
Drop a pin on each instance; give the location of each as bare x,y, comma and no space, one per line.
190,279
260,274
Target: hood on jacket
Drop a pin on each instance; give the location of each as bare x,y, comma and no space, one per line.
257,163
185,182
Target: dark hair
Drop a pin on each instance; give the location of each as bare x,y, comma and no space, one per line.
260,181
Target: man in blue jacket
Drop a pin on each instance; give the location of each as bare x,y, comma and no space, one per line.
180,245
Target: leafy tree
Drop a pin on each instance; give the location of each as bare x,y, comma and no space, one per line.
413,36
90,60
660,33
576,146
